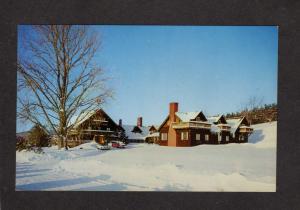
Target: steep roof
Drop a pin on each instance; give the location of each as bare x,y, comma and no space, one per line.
187,116
167,118
85,116
214,119
234,123
153,126
132,135
184,117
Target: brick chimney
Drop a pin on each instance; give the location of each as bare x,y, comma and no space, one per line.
120,122
173,110
140,121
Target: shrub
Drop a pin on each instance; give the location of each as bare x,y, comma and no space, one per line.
35,140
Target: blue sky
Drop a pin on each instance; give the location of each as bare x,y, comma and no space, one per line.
214,69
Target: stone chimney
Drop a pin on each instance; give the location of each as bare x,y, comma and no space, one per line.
120,122
140,121
173,110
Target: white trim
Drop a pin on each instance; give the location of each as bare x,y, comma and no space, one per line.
184,135
164,136
219,137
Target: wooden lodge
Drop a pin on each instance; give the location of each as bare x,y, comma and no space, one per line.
240,129
220,130
193,128
95,125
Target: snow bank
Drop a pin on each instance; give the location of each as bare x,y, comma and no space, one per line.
264,135
143,167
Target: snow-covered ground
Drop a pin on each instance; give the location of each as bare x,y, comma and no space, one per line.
143,167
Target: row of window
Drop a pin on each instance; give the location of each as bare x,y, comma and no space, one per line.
185,136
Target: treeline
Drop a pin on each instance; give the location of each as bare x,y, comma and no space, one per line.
34,140
258,114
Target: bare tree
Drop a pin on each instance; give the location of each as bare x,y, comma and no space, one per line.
250,105
58,80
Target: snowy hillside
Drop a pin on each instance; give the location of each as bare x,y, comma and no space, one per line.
143,167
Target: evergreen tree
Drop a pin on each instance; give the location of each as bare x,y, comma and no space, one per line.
38,137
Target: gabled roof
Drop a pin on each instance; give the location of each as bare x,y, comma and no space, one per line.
163,123
132,135
214,119
234,123
184,117
188,116
83,117
153,127
86,115
136,129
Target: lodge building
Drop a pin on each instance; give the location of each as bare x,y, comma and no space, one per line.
95,125
193,128
136,133
179,129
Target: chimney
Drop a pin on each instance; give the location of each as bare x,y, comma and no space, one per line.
173,110
120,122
140,121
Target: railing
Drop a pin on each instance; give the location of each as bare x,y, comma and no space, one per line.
246,129
191,124
224,127
100,120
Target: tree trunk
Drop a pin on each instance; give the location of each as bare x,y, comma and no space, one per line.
66,143
60,142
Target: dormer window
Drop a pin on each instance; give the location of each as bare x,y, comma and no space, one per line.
198,119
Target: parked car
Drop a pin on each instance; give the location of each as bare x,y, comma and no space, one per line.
117,144
105,147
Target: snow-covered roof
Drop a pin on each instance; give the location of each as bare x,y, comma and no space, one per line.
214,119
155,134
234,123
187,116
83,117
132,135
155,126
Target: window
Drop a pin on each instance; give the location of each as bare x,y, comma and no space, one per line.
108,129
198,119
184,135
241,138
206,137
227,138
198,136
164,136
219,137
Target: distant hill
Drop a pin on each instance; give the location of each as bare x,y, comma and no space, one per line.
266,113
23,134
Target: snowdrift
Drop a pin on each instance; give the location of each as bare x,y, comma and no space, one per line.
143,167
